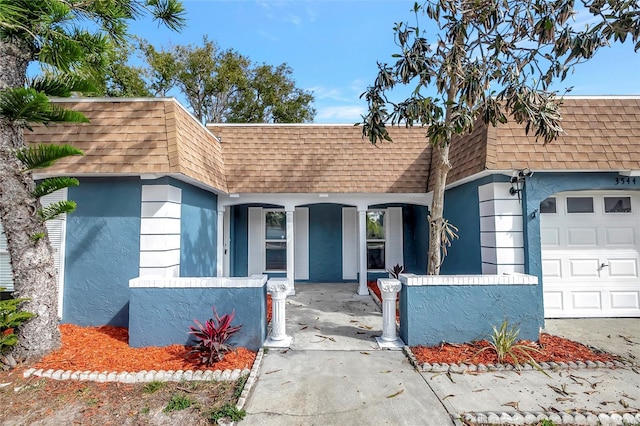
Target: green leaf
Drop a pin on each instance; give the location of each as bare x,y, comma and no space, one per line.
61,85
169,12
50,185
56,209
27,105
44,155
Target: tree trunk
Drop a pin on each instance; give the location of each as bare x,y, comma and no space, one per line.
441,170
32,263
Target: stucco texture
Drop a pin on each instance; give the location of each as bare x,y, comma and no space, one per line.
102,251
163,316
430,315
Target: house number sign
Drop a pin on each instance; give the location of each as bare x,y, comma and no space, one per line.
626,181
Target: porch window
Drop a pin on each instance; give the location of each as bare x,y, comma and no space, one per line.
275,241
375,240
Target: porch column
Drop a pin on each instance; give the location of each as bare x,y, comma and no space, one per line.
362,252
220,243
290,252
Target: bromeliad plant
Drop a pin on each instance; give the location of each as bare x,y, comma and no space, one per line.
212,336
396,270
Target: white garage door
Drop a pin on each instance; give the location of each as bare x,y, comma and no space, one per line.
590,254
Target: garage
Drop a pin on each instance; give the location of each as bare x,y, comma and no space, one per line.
590,254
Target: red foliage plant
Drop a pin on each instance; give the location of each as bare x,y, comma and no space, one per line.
212,336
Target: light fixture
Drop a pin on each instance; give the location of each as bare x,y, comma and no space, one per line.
517,181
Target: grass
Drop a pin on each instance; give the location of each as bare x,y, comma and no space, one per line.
177,403
152,387
227,411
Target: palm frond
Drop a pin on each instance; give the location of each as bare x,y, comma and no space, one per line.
54,210
169,12
61,51
50,185
44,155
11,16
26,105
60,85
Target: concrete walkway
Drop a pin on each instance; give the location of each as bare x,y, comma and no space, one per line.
333,374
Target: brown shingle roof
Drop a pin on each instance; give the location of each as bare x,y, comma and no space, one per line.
601,134
321,158
158,136
132,137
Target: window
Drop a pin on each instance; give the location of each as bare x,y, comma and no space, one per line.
579,205
275,241
548,205
617,204
375,240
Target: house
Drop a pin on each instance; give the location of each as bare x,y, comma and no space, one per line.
162,195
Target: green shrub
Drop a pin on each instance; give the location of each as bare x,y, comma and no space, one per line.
10,318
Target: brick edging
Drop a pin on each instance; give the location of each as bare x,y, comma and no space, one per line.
140,376
564,418
251,380
482,368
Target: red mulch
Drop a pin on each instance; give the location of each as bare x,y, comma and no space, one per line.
269,309
552,349
106,348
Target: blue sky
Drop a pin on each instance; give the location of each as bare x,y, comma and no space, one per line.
333,46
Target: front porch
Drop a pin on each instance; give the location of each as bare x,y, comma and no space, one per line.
324,238
332,317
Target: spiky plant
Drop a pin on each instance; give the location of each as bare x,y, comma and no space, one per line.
504,342
45,155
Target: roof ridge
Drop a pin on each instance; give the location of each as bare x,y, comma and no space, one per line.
173,147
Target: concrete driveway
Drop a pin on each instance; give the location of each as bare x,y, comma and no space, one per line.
620,336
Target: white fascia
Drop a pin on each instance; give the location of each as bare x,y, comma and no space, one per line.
143,176
290,200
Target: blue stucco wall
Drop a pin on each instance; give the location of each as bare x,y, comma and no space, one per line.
198,233
325,243
415,238
238,229
543,185
462,209
198,228
432,314
162,316
102,251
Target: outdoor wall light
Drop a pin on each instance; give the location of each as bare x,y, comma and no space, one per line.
517,181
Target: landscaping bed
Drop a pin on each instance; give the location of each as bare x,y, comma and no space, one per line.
26,400
548,349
